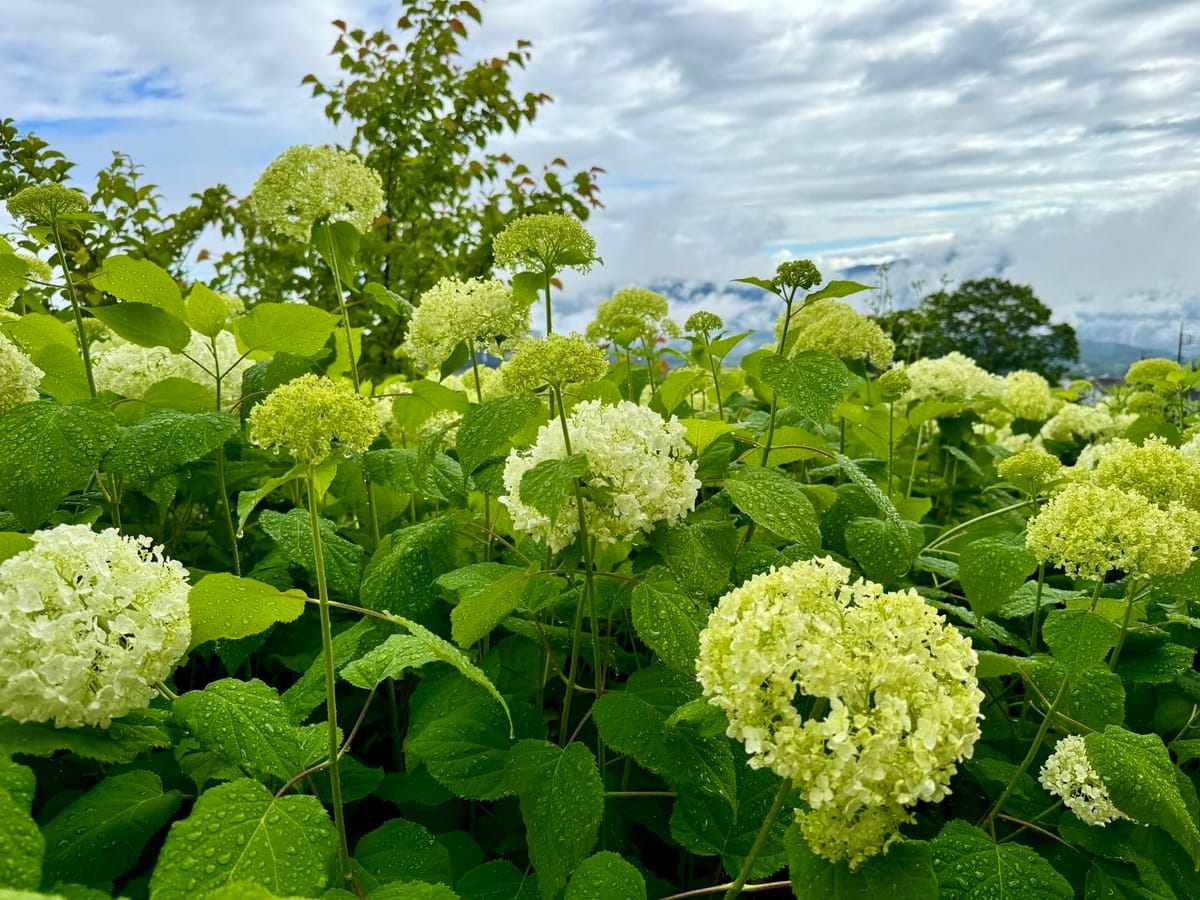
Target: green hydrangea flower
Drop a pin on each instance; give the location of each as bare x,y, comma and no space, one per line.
1031,469
838,329
1155,469
547,242
1027,396
306,184
893,384
637,310
557,360
796,274
1153,371
305,416
483,313
44,204
19,377
703,322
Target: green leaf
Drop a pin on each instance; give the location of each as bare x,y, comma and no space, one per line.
1079,639
391,659
48,451
606,876
286,844
526,286
206,311
970,866
399,850
678,385
412,890
706,823
21,845
720,347
123,741
478,613
12,543
550,484
249,500
763,283
404,470
1095,697
100,835
337,243
164,441
486,429
991,568
427,399
700,556
562,802
811,382
1145,785
247,723
497,880
309,690
18,780
884,552
292,532
145,325
225,606
140,281
776,502
407,563
835,289
1151,659
633,721
668,620
904,871
288,327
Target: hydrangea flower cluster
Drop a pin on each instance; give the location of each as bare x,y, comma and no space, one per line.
305,416
951,377
1031,469
88,623
898,684
1078,422
480,312
307,183
637,474
838,329
1069,774
703,322
545,242
130,370
1153,371
1154,469
1027,396
19,377
556,359
637,310
44,204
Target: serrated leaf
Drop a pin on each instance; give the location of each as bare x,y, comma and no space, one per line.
1145,785
486,429
206,311
12,543
700,556
48,451
391,659
476,614
811,382
292,532
776,502
701,433
837,288
165,440
971,866
406,564
720,347
904,871
427,398
123,741
287,327
562,801
21,845
309,690
990,569
247,723
100,835
18,780
399,850
606,876
1095,697
140,281
678,385
884,552
1152,659
286,844
145,325
497,880
668,620
1079,639
550,484
225,606
440,478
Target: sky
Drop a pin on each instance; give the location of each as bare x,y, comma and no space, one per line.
1053,144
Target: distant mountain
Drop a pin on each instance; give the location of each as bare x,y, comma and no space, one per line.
1110,359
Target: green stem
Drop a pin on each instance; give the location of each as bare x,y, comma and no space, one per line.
760,840
73,296
1112,663
1037,607
891,443
963,526
224,490
335,780
712,364
546,286
649,365
787,318
912,471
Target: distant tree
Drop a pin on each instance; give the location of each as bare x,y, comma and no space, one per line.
1001,325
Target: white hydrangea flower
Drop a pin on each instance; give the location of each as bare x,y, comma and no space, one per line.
1069,774
1027,395
637,474
481,312
88,623
951,377
130,370
896,683
19,377
1076,421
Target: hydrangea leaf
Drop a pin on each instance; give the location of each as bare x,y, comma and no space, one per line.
400,576
427,399
391,659
707,824
293,533
991,568
225,606
678,385
338,242
12,543
459,733
145,325
777,503
309,690
264,376
905,871
140,281
633,721
884,552
21,845
413,890
123,741
52,346
835,289
548,485
206,311
486,429
1152,659
100,835
1078,638
1095,696
1146,785
497,880
243,890
50,450
284,327
562,801
18,780
811,382
247,723
286,844
438,478
249,500
971,866
476,614
669,621
700,556
165,440
400,850
606,876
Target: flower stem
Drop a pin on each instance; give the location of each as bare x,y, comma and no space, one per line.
1112,663
712,364
73,296
760,840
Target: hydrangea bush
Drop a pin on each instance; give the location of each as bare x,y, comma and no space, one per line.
525,619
